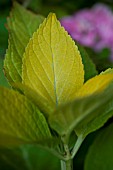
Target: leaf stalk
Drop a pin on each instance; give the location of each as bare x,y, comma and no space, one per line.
67,165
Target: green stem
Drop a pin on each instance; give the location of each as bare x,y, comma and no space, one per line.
77,146
67,165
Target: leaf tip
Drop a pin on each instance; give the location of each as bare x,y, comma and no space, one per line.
15,4
52,16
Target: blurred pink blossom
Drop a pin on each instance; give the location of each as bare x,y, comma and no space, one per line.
92,27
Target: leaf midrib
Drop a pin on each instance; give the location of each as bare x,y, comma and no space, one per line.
55,92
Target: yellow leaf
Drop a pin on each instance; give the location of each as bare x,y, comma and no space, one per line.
95,84
52,64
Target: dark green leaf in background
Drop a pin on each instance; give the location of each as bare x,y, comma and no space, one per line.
89,66
3,81
100,154
3,35
27,157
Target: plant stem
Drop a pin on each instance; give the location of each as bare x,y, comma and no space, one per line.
67,165
67,161
77,146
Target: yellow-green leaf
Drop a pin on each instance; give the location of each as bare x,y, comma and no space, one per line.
20,121
52,64
108,71
95,84
79,114
38,100
86,127
21,25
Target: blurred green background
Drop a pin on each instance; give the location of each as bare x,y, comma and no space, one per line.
32,157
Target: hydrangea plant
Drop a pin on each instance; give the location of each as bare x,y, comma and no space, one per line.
50,104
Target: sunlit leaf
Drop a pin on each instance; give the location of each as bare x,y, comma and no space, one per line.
38,100
52,64
77,114
21,25
108,71
107,110
96,84
20,121
100,154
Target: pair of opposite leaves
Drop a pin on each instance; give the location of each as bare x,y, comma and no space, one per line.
53,74
52,67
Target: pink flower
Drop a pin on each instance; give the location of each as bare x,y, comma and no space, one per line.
92,27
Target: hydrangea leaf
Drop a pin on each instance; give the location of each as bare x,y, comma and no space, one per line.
3,33
20,121
21,25
108,71
94,124
39,101
3,81
100,153
27,157
89,66
95,84
52,64
84,109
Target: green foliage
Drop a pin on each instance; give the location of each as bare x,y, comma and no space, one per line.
89,66
101,59
27,126
51,60
84,115
3,81
100,154
3,36
53,107
21,25
25,158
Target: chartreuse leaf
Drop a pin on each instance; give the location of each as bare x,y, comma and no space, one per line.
84,127
100,154
52,64
85,108
37,99
20,121
21,25
89,66
96,84
108,71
